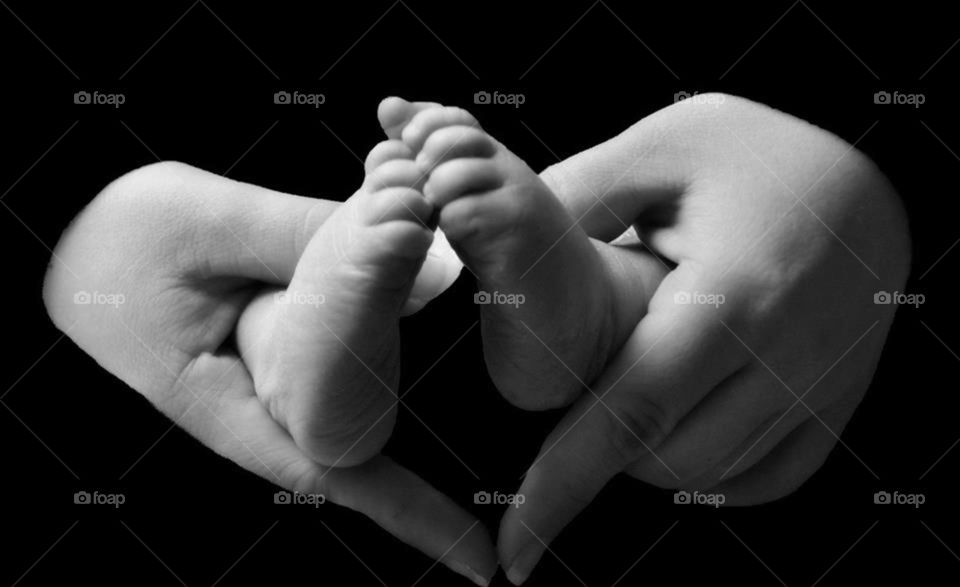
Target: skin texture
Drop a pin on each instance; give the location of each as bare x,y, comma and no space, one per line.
688,401
189,249
325,354
747,397
580,298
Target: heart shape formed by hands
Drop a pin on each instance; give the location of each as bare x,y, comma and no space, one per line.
736,378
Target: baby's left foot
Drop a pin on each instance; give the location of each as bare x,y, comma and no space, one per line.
547,300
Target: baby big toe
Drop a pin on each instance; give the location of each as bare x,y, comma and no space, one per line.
426,122
394,113
461,177
454,142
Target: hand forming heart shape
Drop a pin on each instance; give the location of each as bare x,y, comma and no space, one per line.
757,346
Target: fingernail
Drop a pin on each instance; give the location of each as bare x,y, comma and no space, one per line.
524,562
465,570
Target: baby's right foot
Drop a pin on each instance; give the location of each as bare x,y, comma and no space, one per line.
325,354
548,309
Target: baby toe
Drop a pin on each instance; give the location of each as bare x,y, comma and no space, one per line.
426,122
395,173
454,142
460,177
394,113
398,203
386,151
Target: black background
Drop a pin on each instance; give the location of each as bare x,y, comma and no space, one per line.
203,94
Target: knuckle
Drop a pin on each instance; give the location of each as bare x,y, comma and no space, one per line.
637,430
301,477
402,513
555,471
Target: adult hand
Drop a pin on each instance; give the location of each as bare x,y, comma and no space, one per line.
761,342
187,250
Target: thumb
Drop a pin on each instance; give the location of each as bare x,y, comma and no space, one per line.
576,462
608,186
235,424
676,355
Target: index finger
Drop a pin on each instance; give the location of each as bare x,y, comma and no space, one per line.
233,422
677,354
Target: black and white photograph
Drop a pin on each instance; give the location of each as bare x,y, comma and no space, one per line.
408,293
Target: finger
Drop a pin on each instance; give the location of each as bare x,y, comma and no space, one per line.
734,421
746,416
409,508
235,424
609,185
439,271
675,357
754,449
790,463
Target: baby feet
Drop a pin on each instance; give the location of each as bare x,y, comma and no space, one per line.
326,358
547,313
328,366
